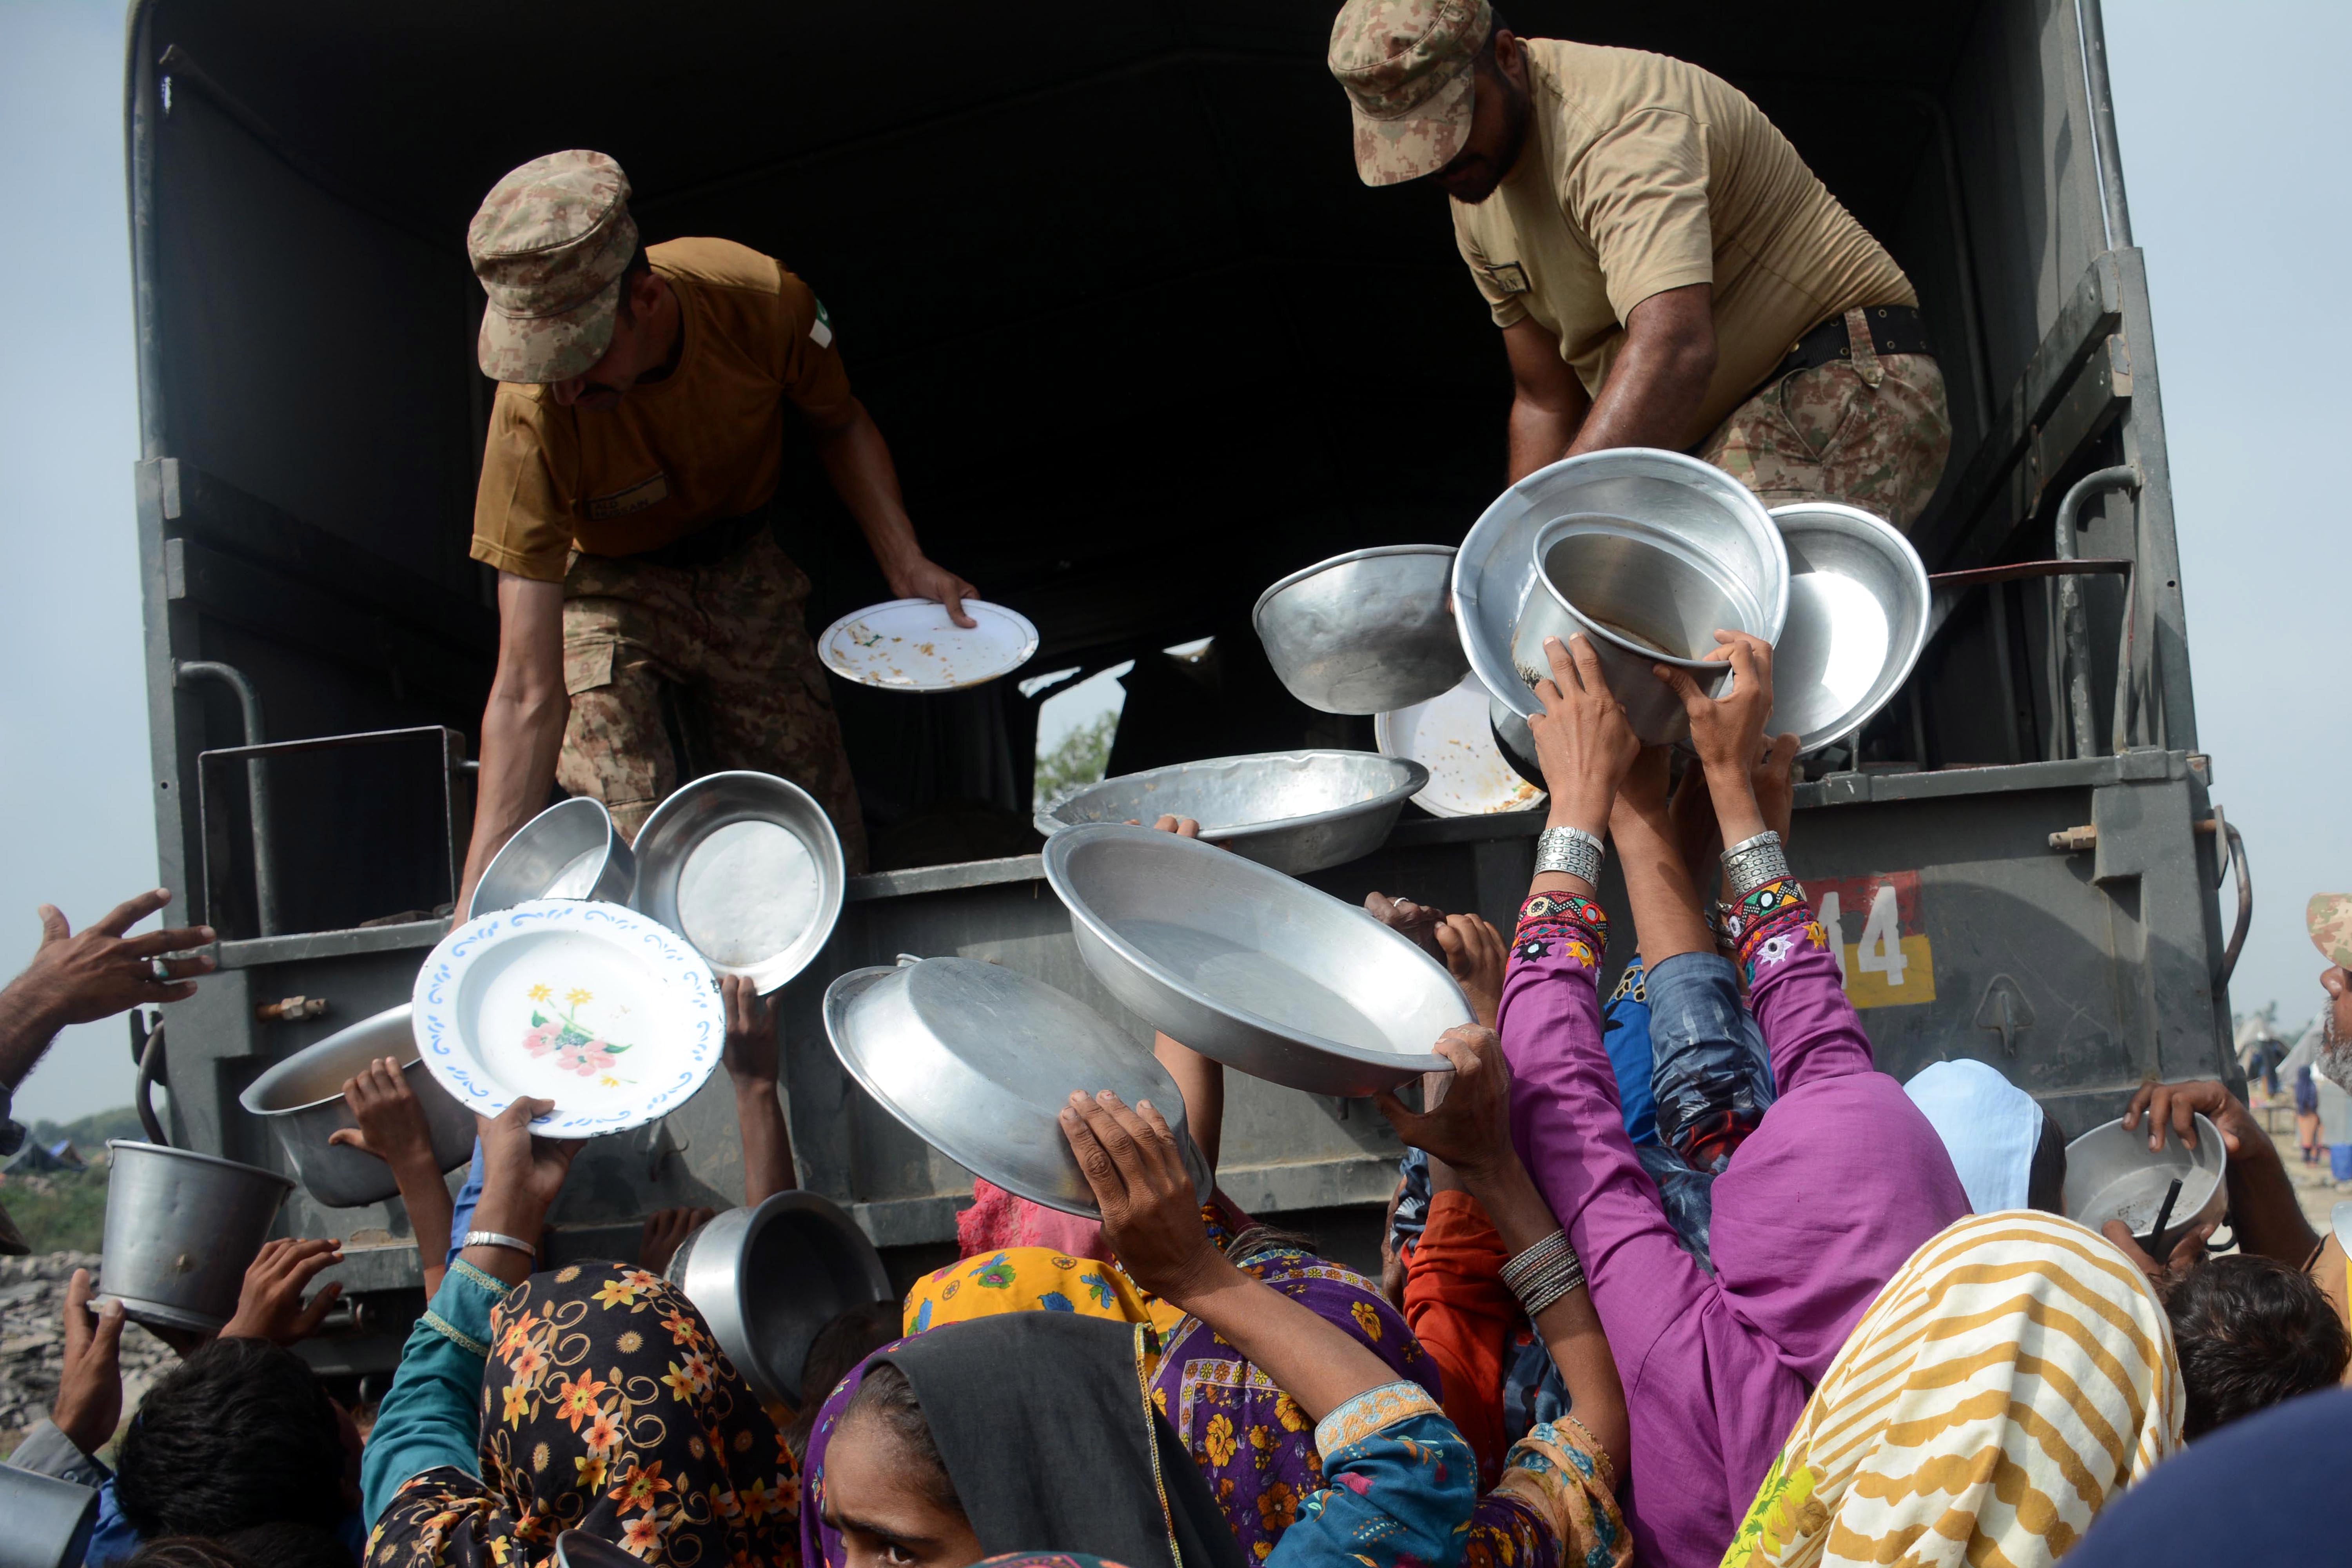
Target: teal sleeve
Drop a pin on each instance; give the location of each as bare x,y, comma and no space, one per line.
1399,1486
432,1417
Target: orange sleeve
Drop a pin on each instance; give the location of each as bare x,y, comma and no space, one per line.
1457,1305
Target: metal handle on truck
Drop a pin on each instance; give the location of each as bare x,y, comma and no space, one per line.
2227,841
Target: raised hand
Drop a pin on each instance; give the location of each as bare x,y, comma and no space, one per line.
1475,955
664,1231
1470,1129
270,1304
1583,744
391,1122
1727,731
1415,922
1150,1214
79,979
749,1052
2178,1105
2187,1253
89,1390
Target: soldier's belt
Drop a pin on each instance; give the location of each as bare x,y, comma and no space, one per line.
1893,329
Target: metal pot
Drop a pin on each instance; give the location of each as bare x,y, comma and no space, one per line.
1365,632
49,1521
571,851
301,1100
181,1230
2112,1174
1648,594
767,1280
1857,621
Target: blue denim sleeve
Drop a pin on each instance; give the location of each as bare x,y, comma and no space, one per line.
1400,1483
433,1415
1711,1078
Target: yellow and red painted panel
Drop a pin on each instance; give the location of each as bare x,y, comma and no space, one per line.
1880,936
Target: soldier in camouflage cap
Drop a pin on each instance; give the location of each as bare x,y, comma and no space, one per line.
1408,67
2329,916
551,245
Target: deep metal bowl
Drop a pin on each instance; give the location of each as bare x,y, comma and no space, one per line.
1365,632
301,1100
1496,569
181,1230
1294,811
1249,967
768,1280
1858,600
977,1060
571,851
2111,1173
749,870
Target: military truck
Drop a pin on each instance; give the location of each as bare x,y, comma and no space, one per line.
1142,343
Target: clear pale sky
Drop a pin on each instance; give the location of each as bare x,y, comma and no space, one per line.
2226,127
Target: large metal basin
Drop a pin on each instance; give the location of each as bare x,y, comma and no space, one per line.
747,868
977,1060
1294,811
181,1230
1495,571
1366,631
767,1280
301,1100
571,851
2112,1174
1857,621
1249,967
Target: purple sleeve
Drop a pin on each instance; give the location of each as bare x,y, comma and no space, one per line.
1795,990
1565,1122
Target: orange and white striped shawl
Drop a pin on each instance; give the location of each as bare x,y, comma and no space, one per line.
2013,1376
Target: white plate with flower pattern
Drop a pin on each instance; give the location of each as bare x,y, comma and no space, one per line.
593,1005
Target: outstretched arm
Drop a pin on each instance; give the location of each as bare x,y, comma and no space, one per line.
858,461
751,1055
392,1127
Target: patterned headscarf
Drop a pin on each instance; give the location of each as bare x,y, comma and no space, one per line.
2014,1375
1022,1279
606,1406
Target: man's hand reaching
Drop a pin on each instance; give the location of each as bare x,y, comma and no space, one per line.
90,1389
270,1306
79,979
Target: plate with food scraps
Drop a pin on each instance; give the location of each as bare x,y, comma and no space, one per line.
909,645
605,1012
1450,735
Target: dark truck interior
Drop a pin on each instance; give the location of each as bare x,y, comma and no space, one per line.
1105,276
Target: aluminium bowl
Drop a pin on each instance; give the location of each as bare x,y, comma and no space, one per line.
1251,967
1858,602
749,870
1366,631
300,1099
768,1279
1294,811
1496,570
2112,1174
571,851
977,1060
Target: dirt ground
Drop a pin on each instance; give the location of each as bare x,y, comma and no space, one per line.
2318,1191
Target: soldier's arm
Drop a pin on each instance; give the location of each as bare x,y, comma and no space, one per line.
522,726
1548,402
1659,377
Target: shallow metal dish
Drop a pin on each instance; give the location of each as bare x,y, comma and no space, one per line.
301,1100
571,851
2111,1173
1294,811
768,1280
1249,967
977,1060
1496,566
1450,735
1365,632
181,1230
1858,600
749,870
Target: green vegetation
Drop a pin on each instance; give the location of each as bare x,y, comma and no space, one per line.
89,1133
1080,759
63,1212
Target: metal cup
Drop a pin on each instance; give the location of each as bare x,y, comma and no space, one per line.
181,1230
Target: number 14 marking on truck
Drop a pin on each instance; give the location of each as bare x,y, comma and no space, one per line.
1892,964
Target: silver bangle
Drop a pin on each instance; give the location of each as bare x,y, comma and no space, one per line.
1571,851
1545,1273
1752,862
493,1238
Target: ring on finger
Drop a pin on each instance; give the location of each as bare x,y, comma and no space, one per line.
161,969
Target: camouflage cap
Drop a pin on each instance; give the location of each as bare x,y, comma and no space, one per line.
1406,65
2329,916
550,245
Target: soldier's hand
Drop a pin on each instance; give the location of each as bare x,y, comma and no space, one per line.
926,579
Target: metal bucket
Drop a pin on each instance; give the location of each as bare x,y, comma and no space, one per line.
571,851
181,1230
1646,594
768,1279
302,1100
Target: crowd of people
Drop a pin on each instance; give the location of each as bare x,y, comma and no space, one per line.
1673,1275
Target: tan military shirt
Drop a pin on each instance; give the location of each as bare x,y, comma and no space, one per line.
1644,173
702,444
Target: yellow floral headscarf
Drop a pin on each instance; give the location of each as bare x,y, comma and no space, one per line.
1022,1279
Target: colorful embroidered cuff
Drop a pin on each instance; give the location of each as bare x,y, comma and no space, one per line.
1769,924
1370,1412
460,1309
1569,919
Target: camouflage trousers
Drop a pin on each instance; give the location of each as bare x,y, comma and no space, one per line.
712,660
1872,434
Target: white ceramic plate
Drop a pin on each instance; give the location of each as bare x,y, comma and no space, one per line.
909,645
1450,736
594,1006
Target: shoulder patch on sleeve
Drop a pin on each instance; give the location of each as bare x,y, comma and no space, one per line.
1509,277
822,327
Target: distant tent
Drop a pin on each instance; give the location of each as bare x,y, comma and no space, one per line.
34,1159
